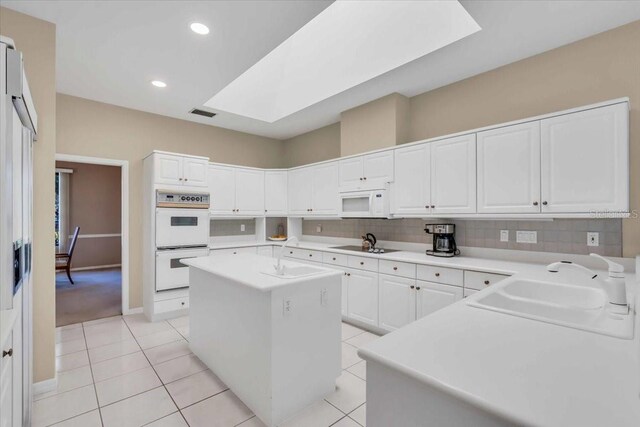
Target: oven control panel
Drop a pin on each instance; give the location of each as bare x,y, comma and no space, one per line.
172,199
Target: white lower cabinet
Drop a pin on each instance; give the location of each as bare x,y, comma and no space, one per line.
362,295
432,297
397,301
345,294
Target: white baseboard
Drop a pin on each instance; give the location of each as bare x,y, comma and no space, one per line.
96,267
45,386
133,310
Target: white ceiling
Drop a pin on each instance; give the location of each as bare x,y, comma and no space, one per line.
109,51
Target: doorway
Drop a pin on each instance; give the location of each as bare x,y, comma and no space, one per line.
91,238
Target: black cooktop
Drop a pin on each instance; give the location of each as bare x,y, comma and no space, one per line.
359,249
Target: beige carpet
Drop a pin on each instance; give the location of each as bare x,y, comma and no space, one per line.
96,294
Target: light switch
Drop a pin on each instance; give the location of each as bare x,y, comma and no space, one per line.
527,237
504,235
593,239
287,307
242,227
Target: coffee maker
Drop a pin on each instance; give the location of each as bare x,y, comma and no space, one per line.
444,244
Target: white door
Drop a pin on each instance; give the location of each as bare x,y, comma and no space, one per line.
411,189
275,193
195,172
249,192
300,183
397,301
585,161
362,297
222,189
351,173
453,175
325,189
432,297
378,167
509,169
168,169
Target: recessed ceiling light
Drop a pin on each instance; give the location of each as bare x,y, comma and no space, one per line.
158,83
199,28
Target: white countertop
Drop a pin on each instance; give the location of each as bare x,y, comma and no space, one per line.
247,270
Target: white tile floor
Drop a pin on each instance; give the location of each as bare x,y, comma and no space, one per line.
125,371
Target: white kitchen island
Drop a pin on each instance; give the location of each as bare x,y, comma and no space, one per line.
275,341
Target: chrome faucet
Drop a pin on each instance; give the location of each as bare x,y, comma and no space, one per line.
614,285
280,268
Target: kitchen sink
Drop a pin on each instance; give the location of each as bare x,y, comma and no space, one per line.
295,272
572,306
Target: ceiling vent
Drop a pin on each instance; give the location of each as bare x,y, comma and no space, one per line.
202,113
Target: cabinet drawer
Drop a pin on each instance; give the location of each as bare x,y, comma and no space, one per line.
362,263
303,254
233,251
449,276
478,280
335,259
403,269
171,305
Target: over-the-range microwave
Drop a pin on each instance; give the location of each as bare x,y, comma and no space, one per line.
372,203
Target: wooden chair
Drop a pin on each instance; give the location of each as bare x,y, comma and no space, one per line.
63,261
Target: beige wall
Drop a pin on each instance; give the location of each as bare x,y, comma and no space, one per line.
36,39
598,68
315,146
374,125
89,128
95,207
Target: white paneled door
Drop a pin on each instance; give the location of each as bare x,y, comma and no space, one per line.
509,169
275,193
222,189
584,161
195,172
362,291
168,169
351,173
249,192
411,189
378,167
397,301
300,190
453,175
431,297
325,189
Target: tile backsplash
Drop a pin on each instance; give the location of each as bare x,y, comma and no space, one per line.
232,227
559,235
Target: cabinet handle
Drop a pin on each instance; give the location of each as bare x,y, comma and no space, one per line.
333,258
426,206
412,287
180,179
361,262
265,210
395,268
433,206
360,179
486,282
365,178
182,303
290,252
545,203
348,274
310,254
535,203
7,353
437,274
417,288
186,179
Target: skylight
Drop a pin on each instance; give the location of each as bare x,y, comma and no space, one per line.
348,43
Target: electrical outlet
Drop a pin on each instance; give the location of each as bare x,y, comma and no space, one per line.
593,239
287,307
504,235
319,228
242,227
527,237
324,296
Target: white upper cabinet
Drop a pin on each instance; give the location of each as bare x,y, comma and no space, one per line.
366,171
275,192
325,199
509,169
300,183
432,297
249,192
411,188
585,161
397,301
235,191
178,170
453,175
222,189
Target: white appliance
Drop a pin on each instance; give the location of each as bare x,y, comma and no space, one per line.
369,203
18,126
182,231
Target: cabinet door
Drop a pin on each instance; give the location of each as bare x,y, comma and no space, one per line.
249,192
432,297
397,301
300,183
411,189
345,294
222,189
275,193
453,175
509,169
585,159
351,173
378,167
168,169
195,172
362,297
6,386
325,189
